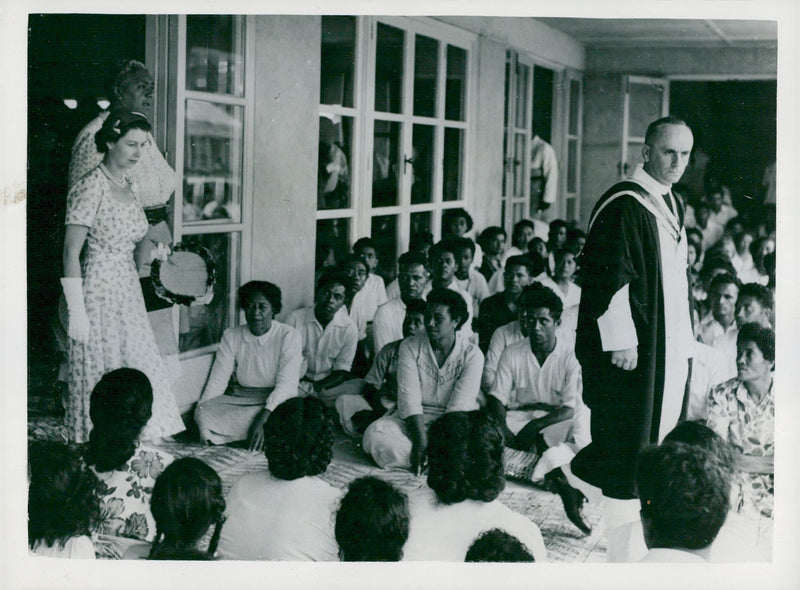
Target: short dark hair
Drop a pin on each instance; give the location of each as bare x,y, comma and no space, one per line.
724,278
695,235
365,242
62,495
445,245
537,295
120,405
697,434
762,337
465,457
465,244
298,439
412,257
372,522
520,260
714,261
496,545
450,215
489,234
271,293
456,305
758,292
333,277
558,224
116,125
416,306
187,499
518,227
560,253
654,128
684,493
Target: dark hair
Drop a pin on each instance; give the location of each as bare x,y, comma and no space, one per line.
120,75
697,434
756,246
298,439
540,262
654,128
489,234
116,125
558,224
187,499
465,244
372,522
416,306
465,457
684,493
422,238
713,261
518,227
763,338
724,278
520,260
496,545
758,292
362,243
271,293
333,277
62,496
738,238
456,305
561,253
537,295
445,245
412,257
120,406
573,233
450,215
694,235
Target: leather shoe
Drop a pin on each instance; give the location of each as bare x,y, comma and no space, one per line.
571,498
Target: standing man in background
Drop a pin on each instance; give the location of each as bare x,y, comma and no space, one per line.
634,335
544,176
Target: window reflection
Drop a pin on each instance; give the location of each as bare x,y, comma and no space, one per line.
389,69
333,243
426,71
335,151
338,59
386,167
215,54
452,168
455,90
384,232
422,142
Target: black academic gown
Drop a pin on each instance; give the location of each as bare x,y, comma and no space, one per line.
622,248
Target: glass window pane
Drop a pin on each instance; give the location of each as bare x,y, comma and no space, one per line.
389,69
335,155
505,162
645,107
202,325
426,71
508,90
384,232
452,165
422,146
572,166
387,165
634,158
333,243
574,103
212,169
338,60
519,212
456,88
421,221
215,54
571,206
518,163
522,96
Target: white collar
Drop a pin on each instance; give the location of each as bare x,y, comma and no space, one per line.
651,184
249,337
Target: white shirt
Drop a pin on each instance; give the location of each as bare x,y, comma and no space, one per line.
366,302
671,556
475,285
708,369
325,350
545,165
274,359
444,532
521,380
572,298
393,290
275,519
388,323
466,329
711,333
74,548
712,232
425,388
503,337
724,215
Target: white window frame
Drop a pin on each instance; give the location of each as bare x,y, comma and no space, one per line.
568,78
361,212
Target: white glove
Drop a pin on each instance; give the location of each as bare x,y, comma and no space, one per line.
78,323
161,252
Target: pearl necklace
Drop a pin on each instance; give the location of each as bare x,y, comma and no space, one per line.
120,183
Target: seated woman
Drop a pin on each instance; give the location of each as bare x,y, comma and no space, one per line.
465,476
120,406
285,513
372,521
742,412
437,372
266,358
62,502
187,501
378,390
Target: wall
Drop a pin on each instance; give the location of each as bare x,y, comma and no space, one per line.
286,137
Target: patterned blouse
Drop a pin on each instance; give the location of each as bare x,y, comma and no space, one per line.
750,427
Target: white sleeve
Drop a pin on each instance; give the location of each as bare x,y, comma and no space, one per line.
617,330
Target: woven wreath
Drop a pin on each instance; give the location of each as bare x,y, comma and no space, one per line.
188,274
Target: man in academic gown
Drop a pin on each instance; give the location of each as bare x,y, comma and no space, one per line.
634,335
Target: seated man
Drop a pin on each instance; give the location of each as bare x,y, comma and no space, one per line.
377,392
501,308
718,328
374,291
329,339
563,286
414,282
537,396
443,276
755,304
265,357
467,276
684,492
361,306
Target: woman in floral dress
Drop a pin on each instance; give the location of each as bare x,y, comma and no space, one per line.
108,325
127,469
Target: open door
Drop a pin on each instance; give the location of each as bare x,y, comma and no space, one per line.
644,101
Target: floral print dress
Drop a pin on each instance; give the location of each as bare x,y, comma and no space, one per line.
125,499
120,333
